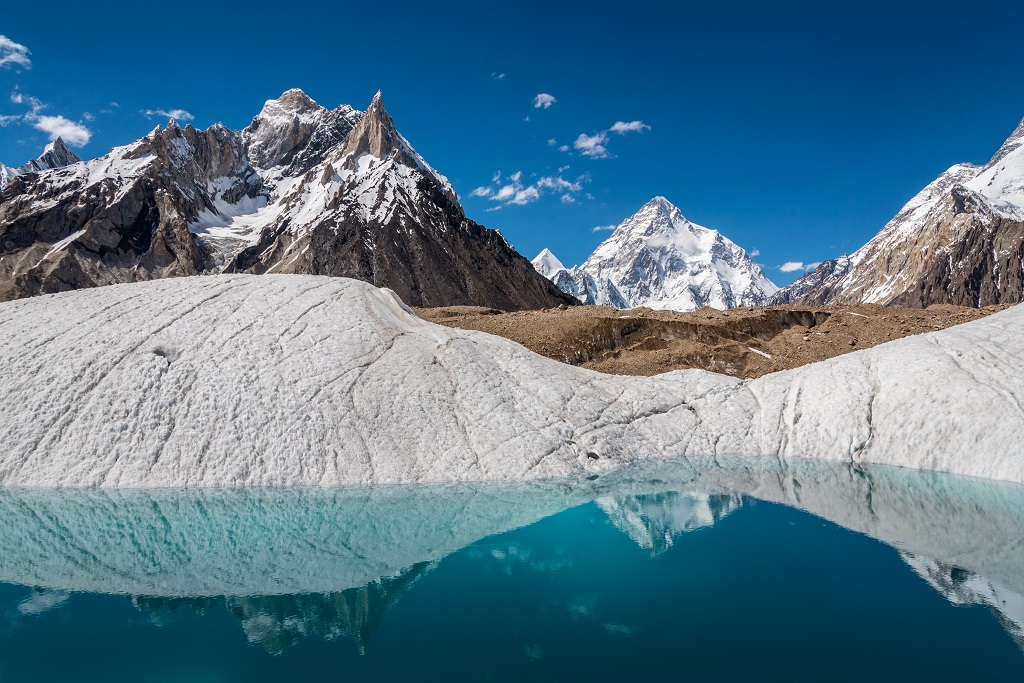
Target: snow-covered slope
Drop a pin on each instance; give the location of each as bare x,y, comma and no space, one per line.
657,258
275,380
302,189
960,240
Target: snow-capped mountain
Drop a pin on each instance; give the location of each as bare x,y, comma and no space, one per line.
959,241
659,259
55,155
302,189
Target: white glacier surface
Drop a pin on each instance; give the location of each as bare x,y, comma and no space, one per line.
299,380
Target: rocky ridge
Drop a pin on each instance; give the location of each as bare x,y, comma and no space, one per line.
302,189
959,241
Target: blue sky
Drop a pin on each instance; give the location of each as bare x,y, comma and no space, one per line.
797,129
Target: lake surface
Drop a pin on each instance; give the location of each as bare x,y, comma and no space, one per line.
799,571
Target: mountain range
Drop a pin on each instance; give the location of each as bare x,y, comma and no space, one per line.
960,241
659,259
302,189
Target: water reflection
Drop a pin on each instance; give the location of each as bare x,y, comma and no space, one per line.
300,563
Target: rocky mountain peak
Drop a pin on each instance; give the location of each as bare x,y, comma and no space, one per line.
57,155
375,134
294,100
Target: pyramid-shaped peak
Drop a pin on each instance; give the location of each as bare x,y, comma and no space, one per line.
546,263
656,213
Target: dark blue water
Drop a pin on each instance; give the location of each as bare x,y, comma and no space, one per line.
680,584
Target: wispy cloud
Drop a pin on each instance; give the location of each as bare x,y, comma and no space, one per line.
543,101
75,133
513,191
13,55
596,146
177,114
34,105
754,253
552,142
497,76
603,228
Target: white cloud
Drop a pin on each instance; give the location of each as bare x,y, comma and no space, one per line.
623,127
543,101
13,54
595,146
592,145
73,132
177,114
497,76
8,120
87,116
563,148
512,191
552,142
35,106
755,253
603,228
793,266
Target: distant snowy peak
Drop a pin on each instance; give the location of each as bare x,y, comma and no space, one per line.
55,155
659,259
547,264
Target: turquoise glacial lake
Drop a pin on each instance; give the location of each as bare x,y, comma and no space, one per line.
798,571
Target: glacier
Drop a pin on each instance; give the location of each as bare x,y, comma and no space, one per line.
275,380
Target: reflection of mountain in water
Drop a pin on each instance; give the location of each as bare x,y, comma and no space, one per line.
279,621
653,521
294,563
963,587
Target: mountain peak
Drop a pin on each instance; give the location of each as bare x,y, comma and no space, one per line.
658,258
547,264
295,100
375,134
1012,143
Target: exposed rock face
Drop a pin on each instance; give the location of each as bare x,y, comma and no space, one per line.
659,259
302,189
959,241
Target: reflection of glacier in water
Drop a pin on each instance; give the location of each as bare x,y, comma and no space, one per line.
294,563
